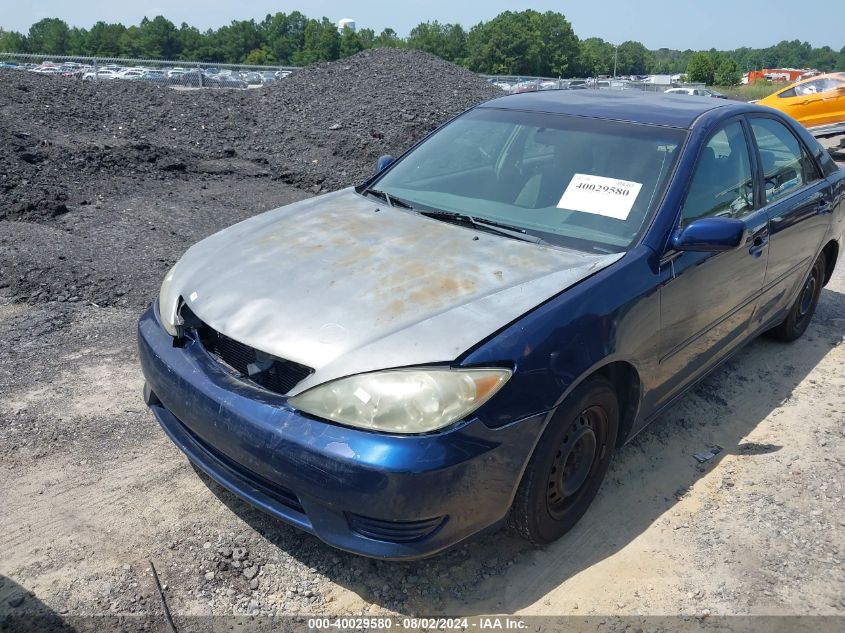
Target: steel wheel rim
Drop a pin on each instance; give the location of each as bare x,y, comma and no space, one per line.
807,295
577,458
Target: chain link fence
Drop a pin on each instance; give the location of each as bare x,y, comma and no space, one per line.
191,74
513,84
179,74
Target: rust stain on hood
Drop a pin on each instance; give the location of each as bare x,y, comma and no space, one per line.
331,283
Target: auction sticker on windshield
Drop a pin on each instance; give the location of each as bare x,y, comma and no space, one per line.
601,196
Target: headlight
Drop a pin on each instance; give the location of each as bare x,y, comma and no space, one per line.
403,400
168,304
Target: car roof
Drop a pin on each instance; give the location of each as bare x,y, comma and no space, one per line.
624,105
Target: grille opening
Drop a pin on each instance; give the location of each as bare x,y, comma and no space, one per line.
274,374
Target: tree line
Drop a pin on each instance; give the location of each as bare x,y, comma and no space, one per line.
513,43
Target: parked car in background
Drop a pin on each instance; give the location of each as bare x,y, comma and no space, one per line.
466,337
267,76
99,75
223,81
251,78
129,73
697,92
190,78
47,70
76,73
154,76
683,91
527,85
817,103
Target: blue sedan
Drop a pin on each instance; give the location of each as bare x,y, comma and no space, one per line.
465,339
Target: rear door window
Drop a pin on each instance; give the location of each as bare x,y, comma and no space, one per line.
786,164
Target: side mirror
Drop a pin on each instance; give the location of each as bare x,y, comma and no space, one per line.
384,162
709,235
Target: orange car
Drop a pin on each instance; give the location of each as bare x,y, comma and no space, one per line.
815,102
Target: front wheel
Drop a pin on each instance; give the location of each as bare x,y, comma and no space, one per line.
569,463
801,312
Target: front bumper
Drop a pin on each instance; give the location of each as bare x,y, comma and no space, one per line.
385,496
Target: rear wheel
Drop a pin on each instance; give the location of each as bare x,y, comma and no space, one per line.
801,312
569,463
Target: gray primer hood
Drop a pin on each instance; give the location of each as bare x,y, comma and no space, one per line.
331,283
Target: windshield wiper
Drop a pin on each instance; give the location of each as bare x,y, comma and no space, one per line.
484,224
393,201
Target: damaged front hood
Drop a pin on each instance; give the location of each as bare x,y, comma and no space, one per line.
345,285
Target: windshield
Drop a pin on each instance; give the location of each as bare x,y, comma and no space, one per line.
588,184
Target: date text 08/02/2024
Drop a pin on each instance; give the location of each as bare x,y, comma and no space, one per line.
410,623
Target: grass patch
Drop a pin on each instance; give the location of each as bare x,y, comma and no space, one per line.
749,92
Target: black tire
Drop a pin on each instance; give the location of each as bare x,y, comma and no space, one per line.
801,312
568,464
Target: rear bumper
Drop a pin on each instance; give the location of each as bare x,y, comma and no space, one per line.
393,497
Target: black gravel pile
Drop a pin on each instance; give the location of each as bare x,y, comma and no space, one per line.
24,191
336,119
103,185
41,175
320,129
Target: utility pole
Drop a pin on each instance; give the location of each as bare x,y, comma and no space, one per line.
615,57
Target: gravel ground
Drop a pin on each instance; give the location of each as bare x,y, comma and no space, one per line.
94,494
93,491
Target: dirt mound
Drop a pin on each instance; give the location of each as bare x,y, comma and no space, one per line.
321,128
103,164
24,191
334,120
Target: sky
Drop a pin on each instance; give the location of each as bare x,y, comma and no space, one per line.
679,24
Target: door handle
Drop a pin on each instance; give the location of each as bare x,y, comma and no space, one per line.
824,207
758,245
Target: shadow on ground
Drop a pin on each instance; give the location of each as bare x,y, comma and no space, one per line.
22,612
646,480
